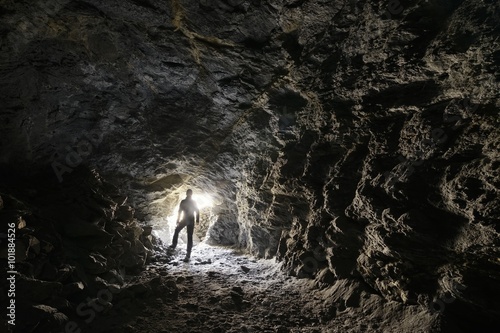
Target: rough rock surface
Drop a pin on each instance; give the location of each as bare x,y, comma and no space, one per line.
213,294
72,241
355,140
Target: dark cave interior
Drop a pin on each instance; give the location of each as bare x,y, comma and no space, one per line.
344,156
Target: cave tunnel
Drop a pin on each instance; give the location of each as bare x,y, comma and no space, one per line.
344,156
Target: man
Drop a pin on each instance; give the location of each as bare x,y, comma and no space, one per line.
187,208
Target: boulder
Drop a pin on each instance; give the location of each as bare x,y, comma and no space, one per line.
134,231
47,247
20,223
64,273
124,213
42,317
79,228
147,230
95,263
48,272
139,289
36,290
72,288
33,245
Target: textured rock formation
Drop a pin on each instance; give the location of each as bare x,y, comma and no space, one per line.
355,140
72,240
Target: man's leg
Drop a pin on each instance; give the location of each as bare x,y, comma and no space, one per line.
190,230
178,229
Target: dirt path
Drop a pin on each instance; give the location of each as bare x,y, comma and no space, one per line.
223,291
219,290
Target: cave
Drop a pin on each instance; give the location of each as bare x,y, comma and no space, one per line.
344,156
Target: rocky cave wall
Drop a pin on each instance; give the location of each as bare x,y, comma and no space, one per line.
354,140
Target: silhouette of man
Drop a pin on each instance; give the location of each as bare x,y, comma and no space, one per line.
187,208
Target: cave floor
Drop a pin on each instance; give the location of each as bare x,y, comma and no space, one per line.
221,290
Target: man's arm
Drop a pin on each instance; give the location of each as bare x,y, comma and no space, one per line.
179,213
197,215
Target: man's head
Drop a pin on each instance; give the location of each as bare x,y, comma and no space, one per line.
189,193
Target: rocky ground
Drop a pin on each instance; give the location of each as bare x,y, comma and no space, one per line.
219,290
222,290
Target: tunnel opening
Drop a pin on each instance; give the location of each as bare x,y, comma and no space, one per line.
165,224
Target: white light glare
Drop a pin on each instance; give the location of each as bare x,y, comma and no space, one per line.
203,200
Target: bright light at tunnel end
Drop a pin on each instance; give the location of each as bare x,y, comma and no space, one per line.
169,222
203,200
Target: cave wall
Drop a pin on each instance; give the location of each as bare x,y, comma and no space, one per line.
75,242
352,139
